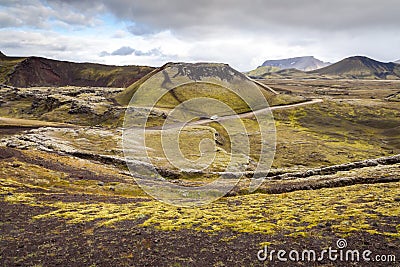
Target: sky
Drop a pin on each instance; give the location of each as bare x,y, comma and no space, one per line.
241,33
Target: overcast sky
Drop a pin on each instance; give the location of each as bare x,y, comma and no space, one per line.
241,33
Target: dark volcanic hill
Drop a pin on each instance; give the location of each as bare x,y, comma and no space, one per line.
38,71
360,67
307,63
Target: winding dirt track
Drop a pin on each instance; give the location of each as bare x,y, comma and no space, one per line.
25,123
242,115
260,111
313,101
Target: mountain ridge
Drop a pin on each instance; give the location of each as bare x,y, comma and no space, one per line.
361,67
40,71
305,63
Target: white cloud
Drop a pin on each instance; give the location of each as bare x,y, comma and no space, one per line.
241,33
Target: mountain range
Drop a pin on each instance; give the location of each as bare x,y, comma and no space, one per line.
307,63
39,71
356,67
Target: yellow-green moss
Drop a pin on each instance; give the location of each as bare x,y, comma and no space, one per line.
347,210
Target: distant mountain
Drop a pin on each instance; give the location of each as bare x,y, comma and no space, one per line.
307,63
398,61
38,71
360,67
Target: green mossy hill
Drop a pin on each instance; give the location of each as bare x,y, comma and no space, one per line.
124,97
202,75
261,71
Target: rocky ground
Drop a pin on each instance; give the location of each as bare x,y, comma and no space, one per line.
75,105
67,198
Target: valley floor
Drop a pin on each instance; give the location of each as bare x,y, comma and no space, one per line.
67,199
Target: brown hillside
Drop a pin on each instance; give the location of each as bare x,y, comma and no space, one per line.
37,71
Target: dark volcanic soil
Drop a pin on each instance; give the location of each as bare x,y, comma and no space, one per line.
10,130
53,242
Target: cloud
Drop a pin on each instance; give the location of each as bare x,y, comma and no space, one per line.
104,54
256,15
140,29
123,51
152,52
127,50
241,33
204,17
22,13
39,15
120,34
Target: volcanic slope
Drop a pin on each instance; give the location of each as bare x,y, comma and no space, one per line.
39,71
199,86
360,67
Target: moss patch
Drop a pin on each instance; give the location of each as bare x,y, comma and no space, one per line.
343,210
